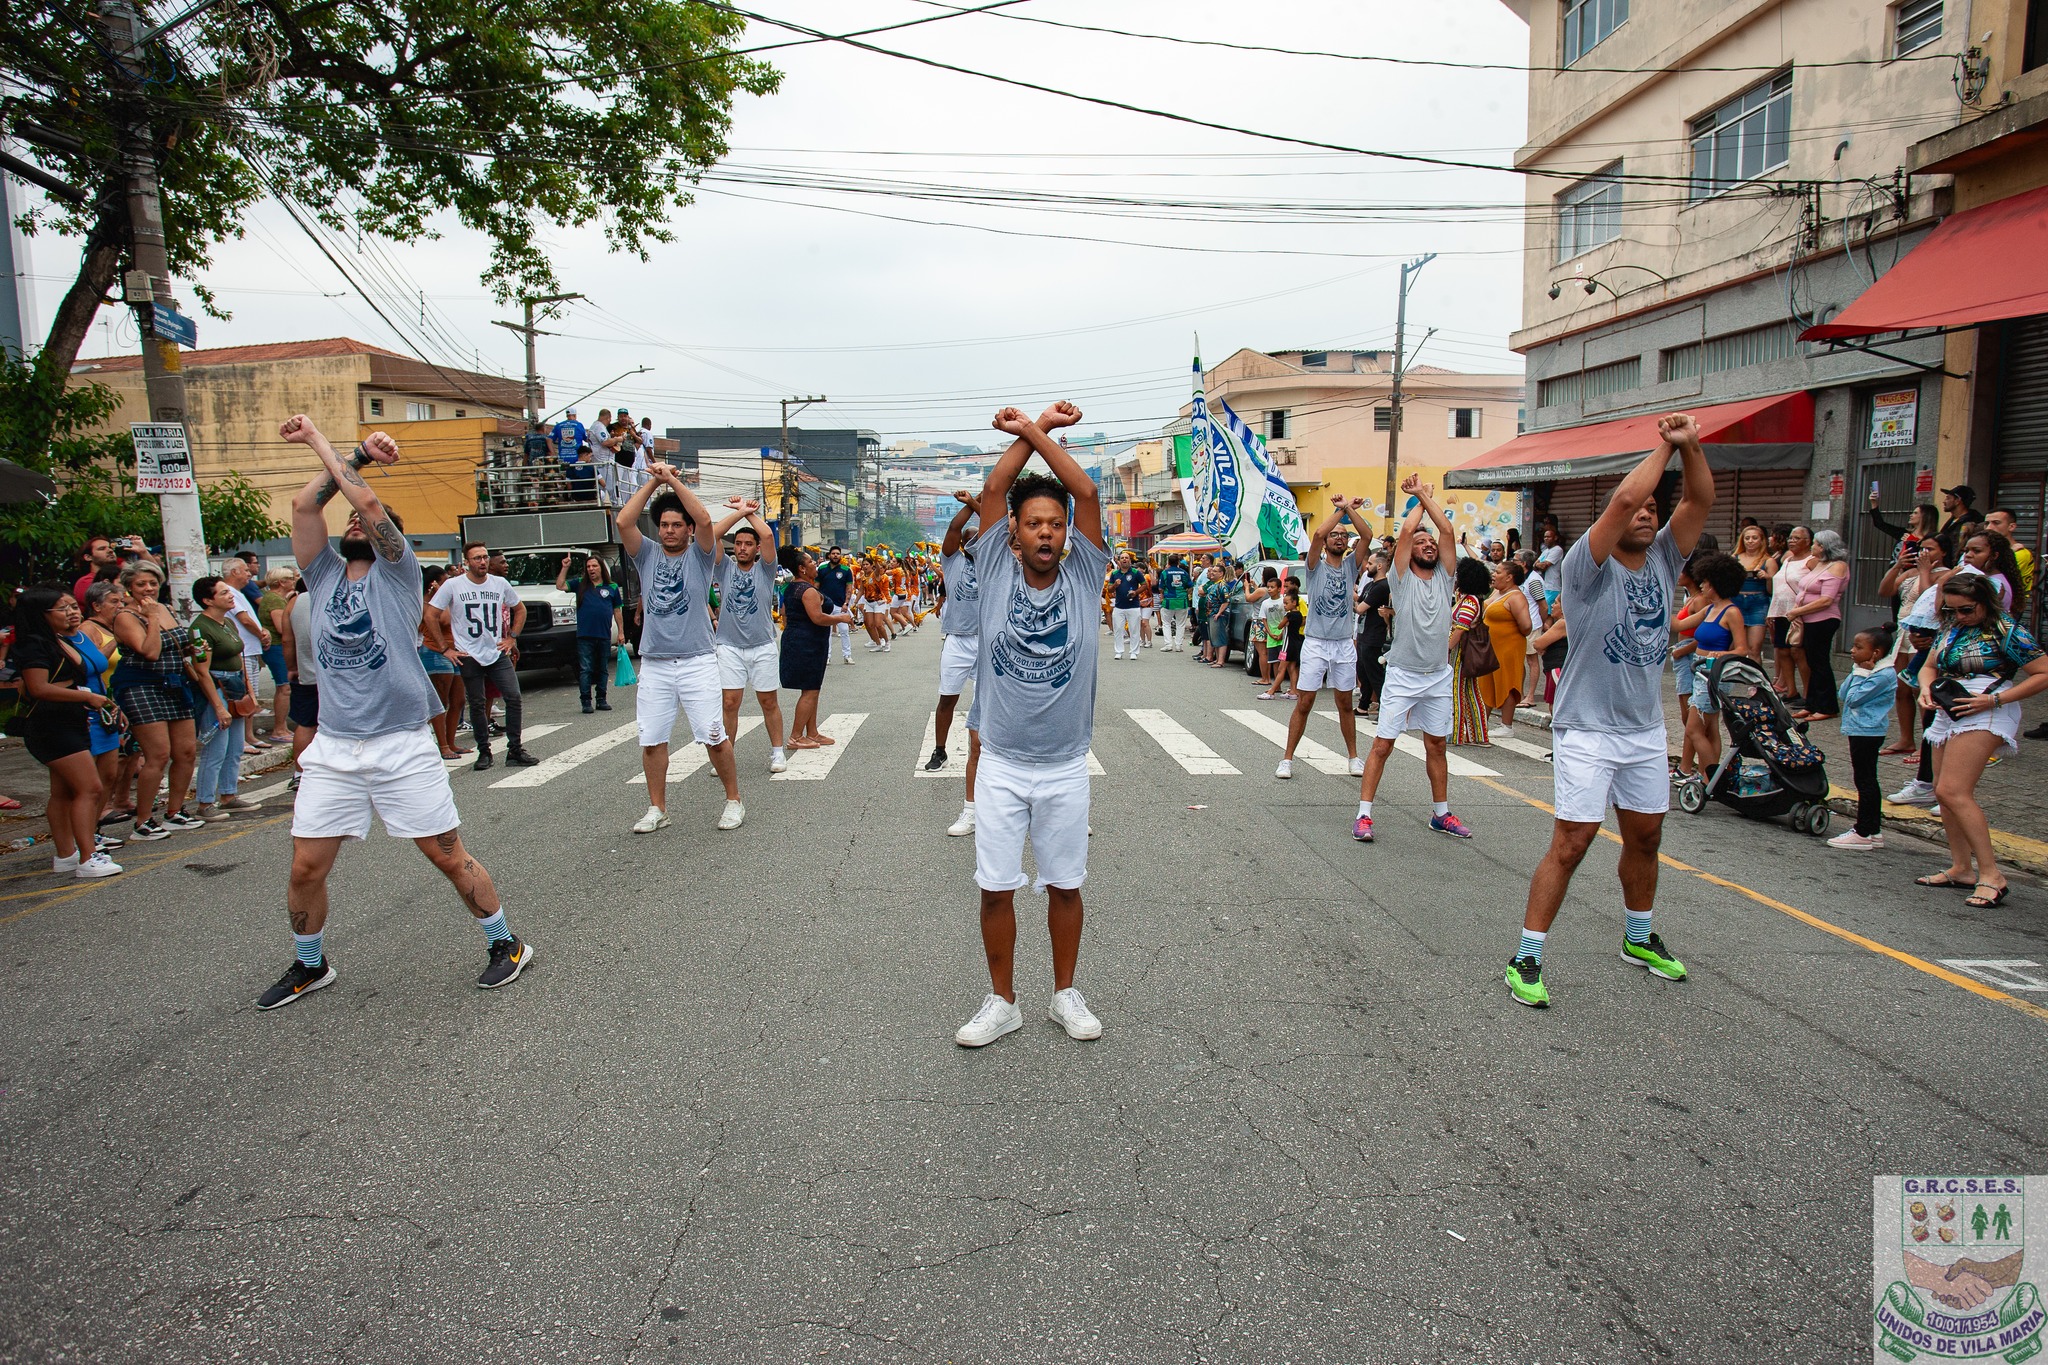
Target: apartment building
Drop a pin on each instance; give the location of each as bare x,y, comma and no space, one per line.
1709,186
1326,417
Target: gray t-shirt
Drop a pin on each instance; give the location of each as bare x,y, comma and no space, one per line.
1034,686
1328,592
366,634
479,614
1422,618
302,639
1621,636
961,615
746,602
675,601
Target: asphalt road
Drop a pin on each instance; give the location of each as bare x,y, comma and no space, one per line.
722,1119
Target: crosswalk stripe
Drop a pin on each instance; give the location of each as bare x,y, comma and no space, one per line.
1323,760
574,757
956,740
685,759
1523,747
813,765
1180,745
1455,763
526,733
1095,768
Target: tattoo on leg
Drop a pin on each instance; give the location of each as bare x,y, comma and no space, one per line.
448,841
300,919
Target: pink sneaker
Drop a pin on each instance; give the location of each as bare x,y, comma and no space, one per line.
1362,829
1451,825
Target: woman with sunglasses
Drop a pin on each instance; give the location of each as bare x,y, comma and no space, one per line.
1981,666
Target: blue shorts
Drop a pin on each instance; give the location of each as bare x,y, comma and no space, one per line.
104,740
436,662
1682,672
1702,693
273,659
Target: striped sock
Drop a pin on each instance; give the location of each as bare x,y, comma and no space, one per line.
1532,946
1638,925
494,928
309,947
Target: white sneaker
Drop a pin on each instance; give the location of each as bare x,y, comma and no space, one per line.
1914,793
964,825
1851,839
1285,770
1357,767
778,761
59,866
734,813
996,1017
1071,1013
98,865
656,818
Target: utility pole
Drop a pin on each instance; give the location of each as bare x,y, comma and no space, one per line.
529,332
786,533
149,283
1408,271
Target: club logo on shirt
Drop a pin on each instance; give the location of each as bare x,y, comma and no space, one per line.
1332,594
350,640
739,595
1643,638
966,588
1033,646
669,595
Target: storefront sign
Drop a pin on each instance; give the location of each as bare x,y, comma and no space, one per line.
1894,418
1923,482
163,460
1835,485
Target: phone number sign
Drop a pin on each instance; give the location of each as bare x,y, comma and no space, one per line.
163,458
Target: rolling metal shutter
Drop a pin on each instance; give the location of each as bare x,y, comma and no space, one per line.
2020,480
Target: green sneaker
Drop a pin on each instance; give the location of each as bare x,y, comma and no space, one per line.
1654,956
1525,983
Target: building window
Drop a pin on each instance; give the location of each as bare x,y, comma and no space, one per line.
1679,362
376,407
1915,24
419,412
1557,392
1744,138
1383,419
1589,213
1283,455
1276,425
1315,360
1757,346
1588,22
1622,374
462,412
1464,423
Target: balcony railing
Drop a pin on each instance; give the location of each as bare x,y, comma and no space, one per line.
552,484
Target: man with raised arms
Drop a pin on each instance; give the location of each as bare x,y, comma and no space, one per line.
1034,692
375,753
1329,651
960,622
678,659
1607,726
1416,695
745,638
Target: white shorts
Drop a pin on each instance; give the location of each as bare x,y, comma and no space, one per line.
755,666
1592,770
957,658
398,777
2003,721
690,684
1415,701
1328,663
1050,804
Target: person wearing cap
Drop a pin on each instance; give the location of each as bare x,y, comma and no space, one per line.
568,436
1959,508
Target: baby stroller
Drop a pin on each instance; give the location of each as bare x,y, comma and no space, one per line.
1768,769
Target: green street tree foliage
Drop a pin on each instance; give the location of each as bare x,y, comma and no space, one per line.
375,116
57,429
898,532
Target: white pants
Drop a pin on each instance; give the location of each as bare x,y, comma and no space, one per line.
689,685
1123,625
398,777
844,634
1174,621
1050,804
1592,770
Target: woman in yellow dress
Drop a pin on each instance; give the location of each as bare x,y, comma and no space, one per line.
1507,620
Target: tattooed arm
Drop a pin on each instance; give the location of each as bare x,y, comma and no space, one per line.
309,523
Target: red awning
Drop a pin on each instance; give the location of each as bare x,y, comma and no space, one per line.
1981,265
1757,433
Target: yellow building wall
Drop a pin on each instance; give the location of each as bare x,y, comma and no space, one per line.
433,485
1473,512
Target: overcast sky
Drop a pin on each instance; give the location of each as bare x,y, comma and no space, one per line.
916,329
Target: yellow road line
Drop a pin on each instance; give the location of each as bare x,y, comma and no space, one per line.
1940,973
132,871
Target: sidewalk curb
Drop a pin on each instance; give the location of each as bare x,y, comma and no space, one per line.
2016,850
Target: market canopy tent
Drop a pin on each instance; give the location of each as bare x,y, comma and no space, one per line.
1981,265
1188,543
1757,433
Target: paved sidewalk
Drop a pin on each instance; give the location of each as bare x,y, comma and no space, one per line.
28,782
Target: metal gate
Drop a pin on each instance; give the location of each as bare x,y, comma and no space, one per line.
1873,552
2020,480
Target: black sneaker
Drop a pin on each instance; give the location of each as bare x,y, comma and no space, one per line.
497,727
588,709
292,785
519,758
603,705
147,830
178,820
509,957
2039,731
300,980
938,760
483,761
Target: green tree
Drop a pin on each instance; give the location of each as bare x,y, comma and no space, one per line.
57,429
374,115
896,531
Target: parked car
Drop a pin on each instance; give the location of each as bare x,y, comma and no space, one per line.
1241,613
